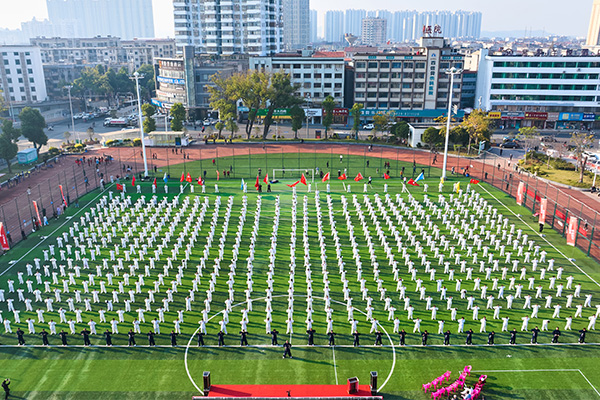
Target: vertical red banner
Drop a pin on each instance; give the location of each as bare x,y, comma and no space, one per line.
520,193
543,210
37,212
63,195
3,239
572,231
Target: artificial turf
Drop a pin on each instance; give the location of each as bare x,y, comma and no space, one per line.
141,372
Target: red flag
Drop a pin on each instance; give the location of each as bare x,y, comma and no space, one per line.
358,177
303,179
63,195
474,181
266,178
154,183
411,182
343,177
294,184
189,178
182,177
218,174
257,184
119,186
133,181
3,239
200,181
325,178
37,211
386,176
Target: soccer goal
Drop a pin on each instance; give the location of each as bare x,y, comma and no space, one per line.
284,173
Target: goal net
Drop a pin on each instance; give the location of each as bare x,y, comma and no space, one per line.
285,173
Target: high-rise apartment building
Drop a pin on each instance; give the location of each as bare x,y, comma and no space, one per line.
314,34
126,19
593,36
22,75
224,27
334,26
374,31
353,21
296,24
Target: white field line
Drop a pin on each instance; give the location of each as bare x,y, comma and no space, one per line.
334,366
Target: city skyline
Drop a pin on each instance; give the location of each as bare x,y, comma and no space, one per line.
549,16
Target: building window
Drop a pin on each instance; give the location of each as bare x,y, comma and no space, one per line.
373,65
360,64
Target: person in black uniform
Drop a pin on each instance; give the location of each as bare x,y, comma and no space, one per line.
86,337
469,337
63,337
378,338
20,337
287,349
447,338
356,339
274,334
131,338
556,335
173,338
221,337
513,337
534,335
243,339
5,386
311,336
331,335
402,335
424,337
44,337
151,341
200,338
582,335
108,338
491,338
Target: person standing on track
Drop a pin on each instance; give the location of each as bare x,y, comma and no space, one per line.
287,349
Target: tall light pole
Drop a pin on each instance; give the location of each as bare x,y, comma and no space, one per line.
452,71
69,87
137,77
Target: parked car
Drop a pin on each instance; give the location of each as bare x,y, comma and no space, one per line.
511,144
368,127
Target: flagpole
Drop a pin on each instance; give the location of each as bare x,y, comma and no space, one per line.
452,71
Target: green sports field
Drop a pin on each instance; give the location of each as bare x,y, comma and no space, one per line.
553,371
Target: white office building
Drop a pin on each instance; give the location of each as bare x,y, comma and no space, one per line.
225,27
126,19
545,91
22,75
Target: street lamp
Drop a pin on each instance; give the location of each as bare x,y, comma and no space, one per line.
137,77
69,87
452,71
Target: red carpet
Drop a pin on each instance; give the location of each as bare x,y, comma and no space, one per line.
255,391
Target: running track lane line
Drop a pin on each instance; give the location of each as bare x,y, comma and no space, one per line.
50,235
334,365
546,240
542,370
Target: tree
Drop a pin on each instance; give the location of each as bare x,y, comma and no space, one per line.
178,113
32,127
147,83
230,124
581,142
527,134
458,135
149,123
223,98
252,89
298,115
8,145
280,94
355,111
478,126
432,136
219,126
400,130
328,106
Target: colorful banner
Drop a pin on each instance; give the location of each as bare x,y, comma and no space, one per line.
520,193
572,231
3,239
543,211
63,195
37,212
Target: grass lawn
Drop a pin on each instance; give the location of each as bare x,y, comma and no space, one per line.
560,371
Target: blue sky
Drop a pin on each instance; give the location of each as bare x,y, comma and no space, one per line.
555,16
